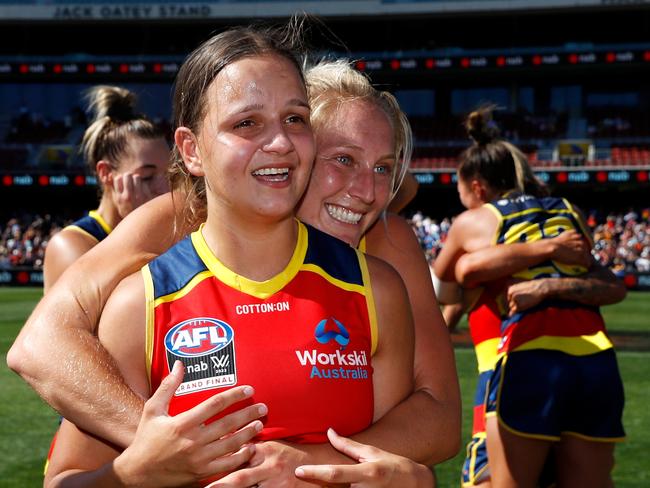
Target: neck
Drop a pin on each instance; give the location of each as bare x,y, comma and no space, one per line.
256,250
108,210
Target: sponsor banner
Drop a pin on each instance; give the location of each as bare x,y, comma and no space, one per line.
21,277
637,281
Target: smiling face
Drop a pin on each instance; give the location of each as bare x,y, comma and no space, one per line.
352,176
255,146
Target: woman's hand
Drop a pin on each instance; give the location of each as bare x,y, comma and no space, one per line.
571,248
170,451
375,468
274,464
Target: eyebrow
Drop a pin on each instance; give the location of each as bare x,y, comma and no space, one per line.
360,148
259,106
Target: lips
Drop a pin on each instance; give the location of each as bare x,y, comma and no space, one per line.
343,214
272,174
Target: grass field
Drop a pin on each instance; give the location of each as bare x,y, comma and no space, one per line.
26,423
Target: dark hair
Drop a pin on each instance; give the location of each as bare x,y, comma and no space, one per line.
500,163
114,121
200,69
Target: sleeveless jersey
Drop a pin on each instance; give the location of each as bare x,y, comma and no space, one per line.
484,322
553,324
302,339
92,225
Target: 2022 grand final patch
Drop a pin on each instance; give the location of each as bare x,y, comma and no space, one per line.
206,348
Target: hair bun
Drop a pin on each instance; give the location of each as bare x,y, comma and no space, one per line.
113,102
480,126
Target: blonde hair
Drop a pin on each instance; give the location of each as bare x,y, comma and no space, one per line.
114,121
333,83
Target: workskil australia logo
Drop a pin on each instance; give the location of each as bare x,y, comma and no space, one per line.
206,348
340,364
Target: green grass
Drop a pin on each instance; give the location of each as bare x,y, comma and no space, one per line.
27,424
630,315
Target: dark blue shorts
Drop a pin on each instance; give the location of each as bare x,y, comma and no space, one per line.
545,394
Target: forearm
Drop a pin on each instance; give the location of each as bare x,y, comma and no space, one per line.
99,478
413,429
500,261
72,372
588,291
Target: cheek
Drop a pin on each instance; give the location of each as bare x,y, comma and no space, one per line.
383,186
326,180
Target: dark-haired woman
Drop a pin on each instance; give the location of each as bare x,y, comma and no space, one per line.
556,386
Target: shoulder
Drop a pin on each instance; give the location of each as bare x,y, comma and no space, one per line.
384,277
69,240
392,231
63,249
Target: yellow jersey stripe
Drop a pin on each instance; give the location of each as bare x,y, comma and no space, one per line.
576,346
149,322
259,289
100,220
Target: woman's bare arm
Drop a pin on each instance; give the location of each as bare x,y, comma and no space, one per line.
598,287
167,451
503,260
434,406
57,349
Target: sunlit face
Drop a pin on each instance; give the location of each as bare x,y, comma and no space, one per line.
255,144
352,176
148,159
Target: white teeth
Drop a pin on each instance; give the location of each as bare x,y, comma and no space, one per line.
271,171
343,214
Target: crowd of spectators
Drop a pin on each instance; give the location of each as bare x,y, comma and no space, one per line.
621,240
23,240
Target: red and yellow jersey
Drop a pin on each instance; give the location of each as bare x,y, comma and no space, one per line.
553,324
92,225
484,322
303,339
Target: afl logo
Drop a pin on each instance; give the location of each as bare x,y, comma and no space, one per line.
198,337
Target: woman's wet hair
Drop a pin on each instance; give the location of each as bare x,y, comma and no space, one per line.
201,67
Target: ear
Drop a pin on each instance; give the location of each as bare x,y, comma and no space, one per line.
189,150
478,189
104,173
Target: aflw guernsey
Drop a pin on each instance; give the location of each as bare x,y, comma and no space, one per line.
92,225
484,320
553,324
302,339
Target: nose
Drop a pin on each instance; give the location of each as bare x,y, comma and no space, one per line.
279,141
362,185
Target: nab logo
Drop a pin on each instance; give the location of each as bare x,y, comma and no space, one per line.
337,331
198,337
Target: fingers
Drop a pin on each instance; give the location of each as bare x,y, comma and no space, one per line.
331,473
347,446
230,463
217,403
158,404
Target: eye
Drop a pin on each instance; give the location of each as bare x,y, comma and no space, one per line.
343,159
384,169
295,119
244,124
